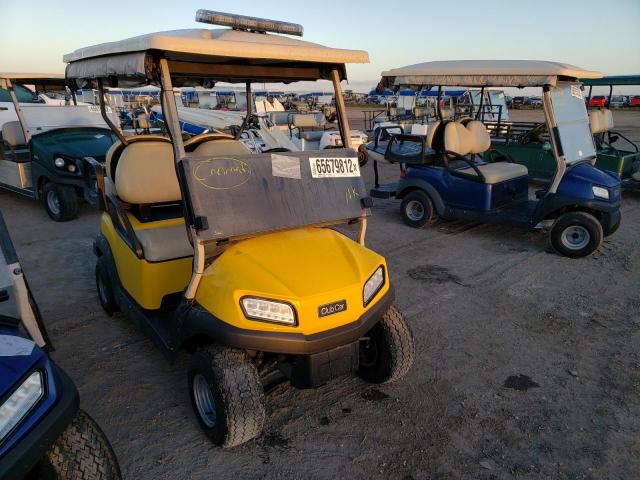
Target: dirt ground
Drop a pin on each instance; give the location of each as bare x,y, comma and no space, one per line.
527,366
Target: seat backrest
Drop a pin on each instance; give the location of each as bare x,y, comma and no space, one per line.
221,147
419,129
466,139
308,120
457,139
601,120
113,154
596,121
145,173
432,130
279,118
13,134
481,140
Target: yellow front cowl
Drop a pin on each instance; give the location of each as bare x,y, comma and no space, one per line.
307,268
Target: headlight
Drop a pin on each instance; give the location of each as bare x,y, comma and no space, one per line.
59,162
373,285
268,310
20,402
600,192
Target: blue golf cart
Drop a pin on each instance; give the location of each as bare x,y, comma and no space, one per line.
452,171
43,433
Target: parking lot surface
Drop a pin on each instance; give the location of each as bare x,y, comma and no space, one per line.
527,363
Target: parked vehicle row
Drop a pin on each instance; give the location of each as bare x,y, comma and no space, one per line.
220,243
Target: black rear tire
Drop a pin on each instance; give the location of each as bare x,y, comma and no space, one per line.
82,452
104,286
60,202
227,395
417,209
576,234
388,351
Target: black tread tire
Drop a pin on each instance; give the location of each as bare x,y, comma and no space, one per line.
107,297
613,229
582,219
82,452
395,348
69,205
237,391
363,155
429,216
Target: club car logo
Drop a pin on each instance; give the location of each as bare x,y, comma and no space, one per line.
222,173
331,308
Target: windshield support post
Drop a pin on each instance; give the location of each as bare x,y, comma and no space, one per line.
481,105
341,109
105,117
170,111
247,117
19,113
172,121
438,109
552,125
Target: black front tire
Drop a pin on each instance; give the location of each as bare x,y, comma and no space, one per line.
387,352
82,452
60,202
612,228
104,286
417,209
227,395
363,156
576,234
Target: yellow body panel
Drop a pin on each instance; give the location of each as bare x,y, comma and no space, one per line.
146,282
307,268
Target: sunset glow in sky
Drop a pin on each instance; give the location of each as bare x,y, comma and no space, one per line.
595,35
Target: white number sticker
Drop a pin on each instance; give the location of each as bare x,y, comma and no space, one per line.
96,109
334,167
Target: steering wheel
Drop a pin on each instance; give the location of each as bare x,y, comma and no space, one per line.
532,136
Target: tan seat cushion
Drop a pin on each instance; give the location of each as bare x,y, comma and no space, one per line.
308,120
471,138
481,141
601,120
165,243
498,172
13,134
145,173
221,147
432,130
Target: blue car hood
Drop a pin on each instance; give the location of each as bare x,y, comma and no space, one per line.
588,173
18,355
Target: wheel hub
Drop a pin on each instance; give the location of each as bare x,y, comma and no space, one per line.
414,210
53,202
205,403
575,237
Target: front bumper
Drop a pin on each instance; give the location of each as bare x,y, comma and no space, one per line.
201,321
18,461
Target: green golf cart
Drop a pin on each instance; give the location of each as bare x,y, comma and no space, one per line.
625,159
49,152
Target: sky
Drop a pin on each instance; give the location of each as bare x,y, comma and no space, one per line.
600,35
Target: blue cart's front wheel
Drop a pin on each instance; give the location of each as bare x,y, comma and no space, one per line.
576,234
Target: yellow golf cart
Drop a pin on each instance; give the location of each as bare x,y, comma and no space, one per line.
233,256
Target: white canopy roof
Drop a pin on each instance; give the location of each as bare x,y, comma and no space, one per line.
54,79
485,73
224,43
33,76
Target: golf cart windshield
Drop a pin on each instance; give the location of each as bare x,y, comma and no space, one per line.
16,303
243,195
573,128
